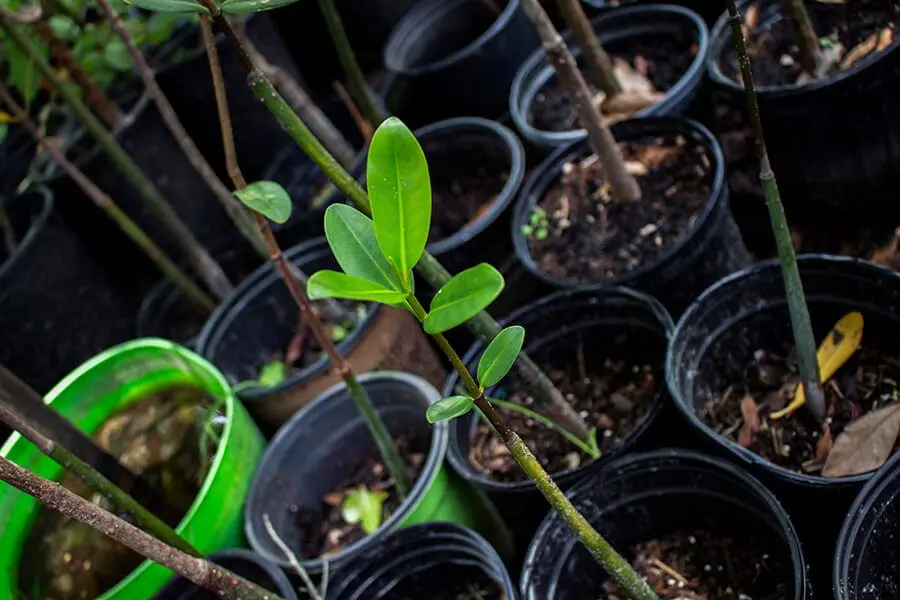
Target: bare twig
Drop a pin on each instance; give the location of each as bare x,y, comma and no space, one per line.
27,16
807,40
292,559
197,570
365,128
599,65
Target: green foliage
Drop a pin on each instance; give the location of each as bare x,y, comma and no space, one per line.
351,236
500,355
400,193
463,297
268,199
272,374
449,408
170,6
334,284
240,7
4,131
537,226
364,506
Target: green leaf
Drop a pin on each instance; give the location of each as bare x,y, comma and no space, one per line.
170,6
240,7
64,27
449,408
351,236
500,355
268,199
333,284
400,192
116,54
464,296
4,131
272,373
364,506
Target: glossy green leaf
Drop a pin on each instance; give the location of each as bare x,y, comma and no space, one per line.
170,6
116,54
268,199
241,7
351,236
500,355
272,373
333,284
64,27
400,193
464,296
364,506
449,408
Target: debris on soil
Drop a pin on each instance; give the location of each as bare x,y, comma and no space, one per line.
323,530
613,396
457,203
699,565
592,237
159,437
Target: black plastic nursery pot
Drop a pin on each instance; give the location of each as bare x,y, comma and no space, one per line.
849,159
60,303
613,337
710,11
456,58
708,248
867,565
424,561
722,336
255,324
240,562
16,154
320,451
731,530
543,113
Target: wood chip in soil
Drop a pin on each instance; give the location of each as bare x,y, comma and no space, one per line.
323,530
592,237
867,382
463,200
613,396
700,565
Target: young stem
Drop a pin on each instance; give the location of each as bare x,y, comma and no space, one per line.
356,80
482,325
512,406
19,421
805,32
611,561
599,65
804,339
232,207
106,204
308,312
207,268
197,570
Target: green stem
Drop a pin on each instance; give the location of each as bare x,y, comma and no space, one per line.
202,262
587,449
612,562
804,339
358,87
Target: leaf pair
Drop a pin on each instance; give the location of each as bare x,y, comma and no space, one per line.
232,7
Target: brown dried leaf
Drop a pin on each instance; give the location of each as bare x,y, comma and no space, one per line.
751,18
865,444
635,168
884,39
626,104
861,50
750,412
631,79
889,254
824,445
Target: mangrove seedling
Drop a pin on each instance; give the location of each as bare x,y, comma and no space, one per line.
537,225
377,257
364,506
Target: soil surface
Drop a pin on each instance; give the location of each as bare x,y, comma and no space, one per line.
662,60
612,396
161,437
867,381
699,565
323,530
462,583
589,236
850,25
463,200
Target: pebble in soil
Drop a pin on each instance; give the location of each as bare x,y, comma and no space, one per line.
854,30
611,395
322,528
590,236
698,565
160,437
462,200
867,381
451,582
662,60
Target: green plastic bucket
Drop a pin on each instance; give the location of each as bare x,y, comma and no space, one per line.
95,391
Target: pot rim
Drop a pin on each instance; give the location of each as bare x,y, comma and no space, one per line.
34,228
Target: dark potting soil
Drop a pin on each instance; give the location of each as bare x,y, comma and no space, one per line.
458,583
699,565
662,60
612,396
590,236
463,200
324,531
159,436
867,381
852,24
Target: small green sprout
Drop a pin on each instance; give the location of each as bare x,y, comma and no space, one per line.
271,374
537,226
364,506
